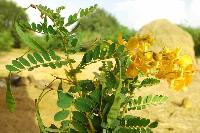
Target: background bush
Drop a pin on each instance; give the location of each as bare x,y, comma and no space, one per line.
195,33
6,41
100,25
8,11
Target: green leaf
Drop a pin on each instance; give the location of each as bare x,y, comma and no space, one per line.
95,95
52,65
111,50
153,124
58,64
24,62
103,52
33,26
89,56
17,64
144,122
51,30
46,56
31,69
115,123
81,128
27,39
75,89
39,28
80,117
149,98
11,68
65,124
31,59
110,80
10,101
83,104
115,108
82,13
86,85
38,57
64,100
61,115
36,44
139,100
73,41
96,52
86,11
53,55
149,82
120,49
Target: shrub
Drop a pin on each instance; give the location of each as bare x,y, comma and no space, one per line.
6,41
195,33
102,104
100,25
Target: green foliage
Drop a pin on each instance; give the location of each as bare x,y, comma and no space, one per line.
141,102
10,101
135,124
149,82
64,100
6,41
90,105
61,115
195,33
38,59
102,25
27,39
8,12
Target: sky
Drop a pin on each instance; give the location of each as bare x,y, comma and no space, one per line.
131,13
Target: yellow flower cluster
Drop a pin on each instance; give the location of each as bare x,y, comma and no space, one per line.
167,64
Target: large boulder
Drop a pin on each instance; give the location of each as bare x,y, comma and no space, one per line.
167,34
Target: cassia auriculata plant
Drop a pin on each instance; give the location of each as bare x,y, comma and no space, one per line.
104,103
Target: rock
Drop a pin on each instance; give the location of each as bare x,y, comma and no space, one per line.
31,78
186,103
17,80
167,34
3,83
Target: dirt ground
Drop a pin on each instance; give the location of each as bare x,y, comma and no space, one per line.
172,116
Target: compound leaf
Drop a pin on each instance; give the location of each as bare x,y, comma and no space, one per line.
10,101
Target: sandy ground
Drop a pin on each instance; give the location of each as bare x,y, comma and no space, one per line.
172,116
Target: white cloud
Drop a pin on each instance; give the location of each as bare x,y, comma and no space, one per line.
136,13
193,17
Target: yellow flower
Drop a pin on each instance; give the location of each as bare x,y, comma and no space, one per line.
132,71
166,65
185,60
132,45
175,69
120,39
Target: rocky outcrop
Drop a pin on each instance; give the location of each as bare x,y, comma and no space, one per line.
167,34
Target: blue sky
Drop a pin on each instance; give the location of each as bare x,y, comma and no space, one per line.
131,13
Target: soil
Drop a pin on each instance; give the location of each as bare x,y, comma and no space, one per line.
173,116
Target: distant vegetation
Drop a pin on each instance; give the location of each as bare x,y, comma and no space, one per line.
8,36
195,32
101,25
